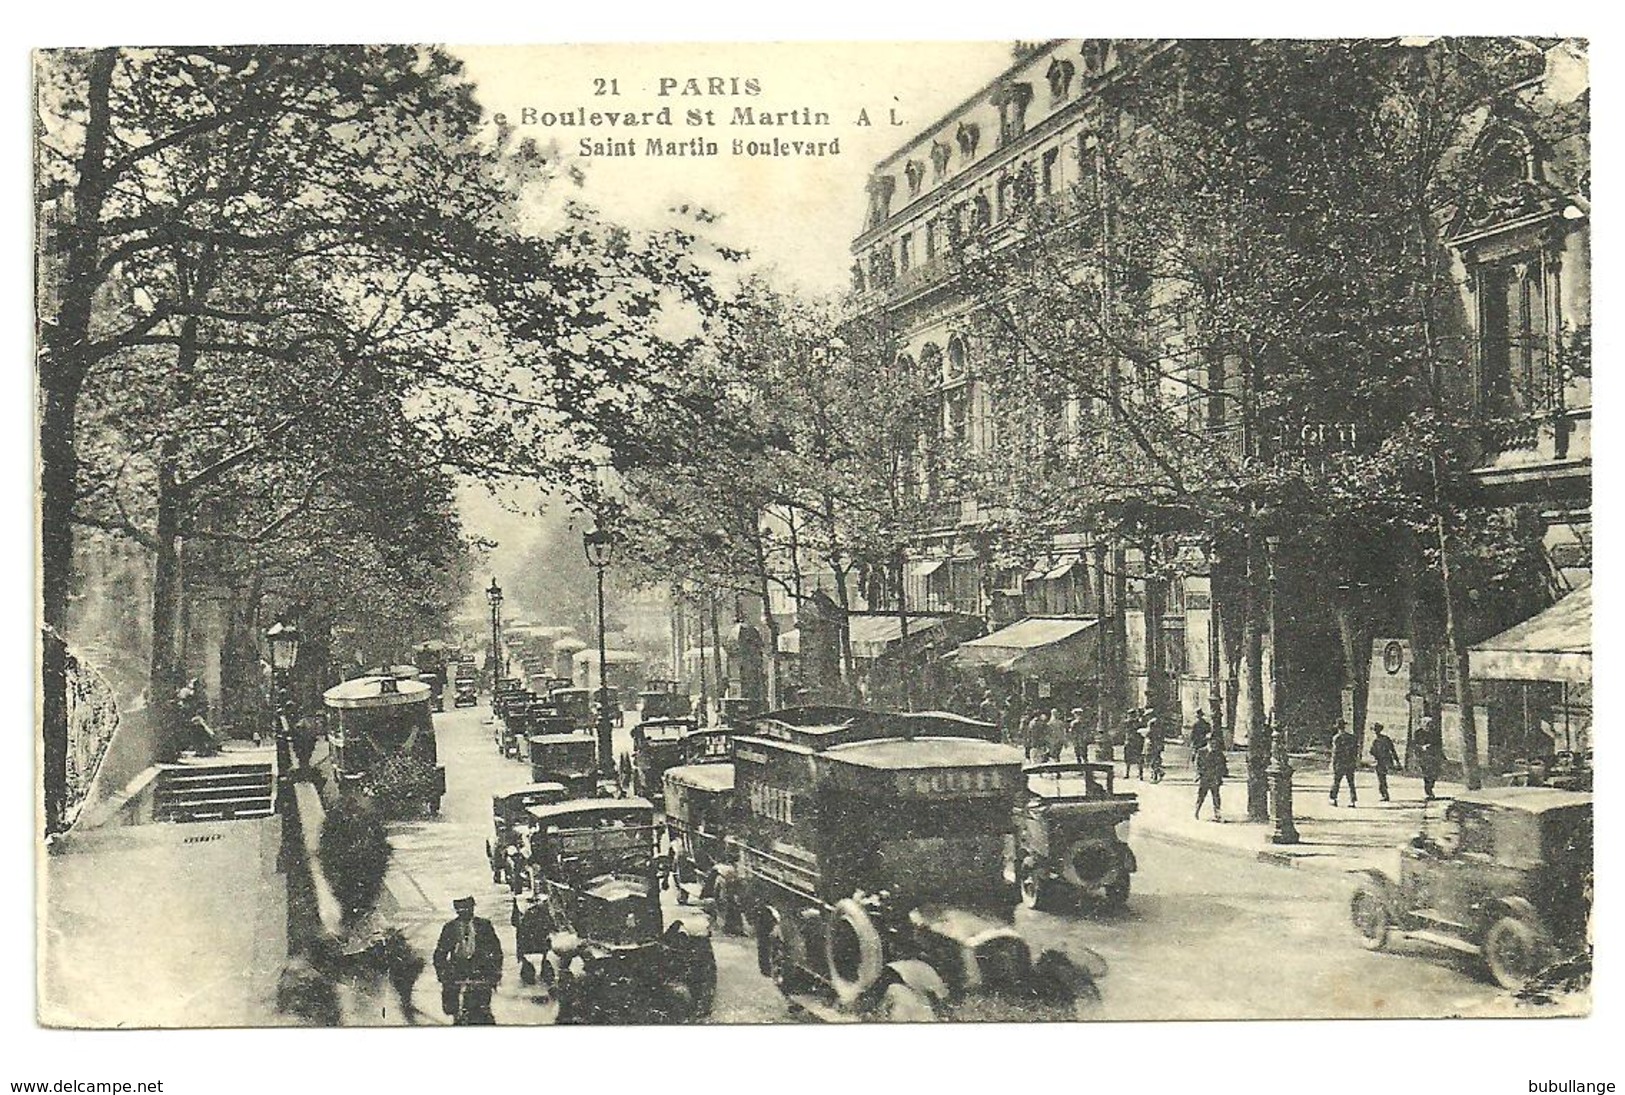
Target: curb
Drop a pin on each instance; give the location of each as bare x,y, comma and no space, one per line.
1270,856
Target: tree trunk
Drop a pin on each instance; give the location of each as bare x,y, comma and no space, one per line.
1250,703
1103,676
1354,631
848,670
1457,645
63,365
1117,680
770,626
165,667
724,681
904,678
1156,600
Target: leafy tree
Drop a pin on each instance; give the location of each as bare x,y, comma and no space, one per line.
240,243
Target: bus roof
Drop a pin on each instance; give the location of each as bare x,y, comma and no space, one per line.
369,692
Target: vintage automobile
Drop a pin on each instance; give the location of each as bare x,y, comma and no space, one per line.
511,822
737,710
382,739
465,688
657,744
612,957
871,856
507,689
1071,835
576,704
1501,873
437,694
700,817
570,758
660,699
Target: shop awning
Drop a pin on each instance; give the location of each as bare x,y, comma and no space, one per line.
1554,645
1053,647
1063,566
871,635
927,568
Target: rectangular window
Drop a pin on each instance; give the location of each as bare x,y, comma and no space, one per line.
1047,178
955,414
930,240
905,253
1514,374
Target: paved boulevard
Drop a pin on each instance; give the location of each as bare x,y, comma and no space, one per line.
1206,936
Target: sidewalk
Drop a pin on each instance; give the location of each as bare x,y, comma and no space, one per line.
1330,838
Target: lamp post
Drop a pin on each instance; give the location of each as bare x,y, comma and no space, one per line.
283,639
1280,770
493,596
600,551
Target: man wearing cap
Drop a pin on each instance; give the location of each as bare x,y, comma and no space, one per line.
468,960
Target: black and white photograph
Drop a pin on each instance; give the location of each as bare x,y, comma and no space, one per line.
1054,531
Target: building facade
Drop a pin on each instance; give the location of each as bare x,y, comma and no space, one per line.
1518,247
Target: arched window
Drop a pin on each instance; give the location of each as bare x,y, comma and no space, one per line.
956,360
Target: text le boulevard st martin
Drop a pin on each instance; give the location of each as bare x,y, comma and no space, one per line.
610,121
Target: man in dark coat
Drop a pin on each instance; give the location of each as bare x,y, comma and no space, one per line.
1211,768
1345,757
1429,761
1384,756
468,960
1133,750
1201,731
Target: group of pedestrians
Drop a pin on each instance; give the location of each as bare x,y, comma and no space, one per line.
1427,751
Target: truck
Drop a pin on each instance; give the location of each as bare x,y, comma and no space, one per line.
872,861
701,817
612,955
657,744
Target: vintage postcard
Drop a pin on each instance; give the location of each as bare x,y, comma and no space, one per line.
1063,530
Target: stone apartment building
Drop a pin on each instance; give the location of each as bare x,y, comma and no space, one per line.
1520,256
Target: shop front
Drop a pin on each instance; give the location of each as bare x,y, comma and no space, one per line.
1536,679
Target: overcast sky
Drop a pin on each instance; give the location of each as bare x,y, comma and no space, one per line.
796,213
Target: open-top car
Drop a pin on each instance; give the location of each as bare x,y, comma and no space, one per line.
1501,873
511,822
612,957
1071,836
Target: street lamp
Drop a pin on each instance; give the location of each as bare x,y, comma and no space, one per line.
283,639
493,595
600,551
1280,770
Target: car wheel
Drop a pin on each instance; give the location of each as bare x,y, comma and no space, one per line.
1515,951
1037,892
902,1004
1368,910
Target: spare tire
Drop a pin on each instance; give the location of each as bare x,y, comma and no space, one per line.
854,951
1089,862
